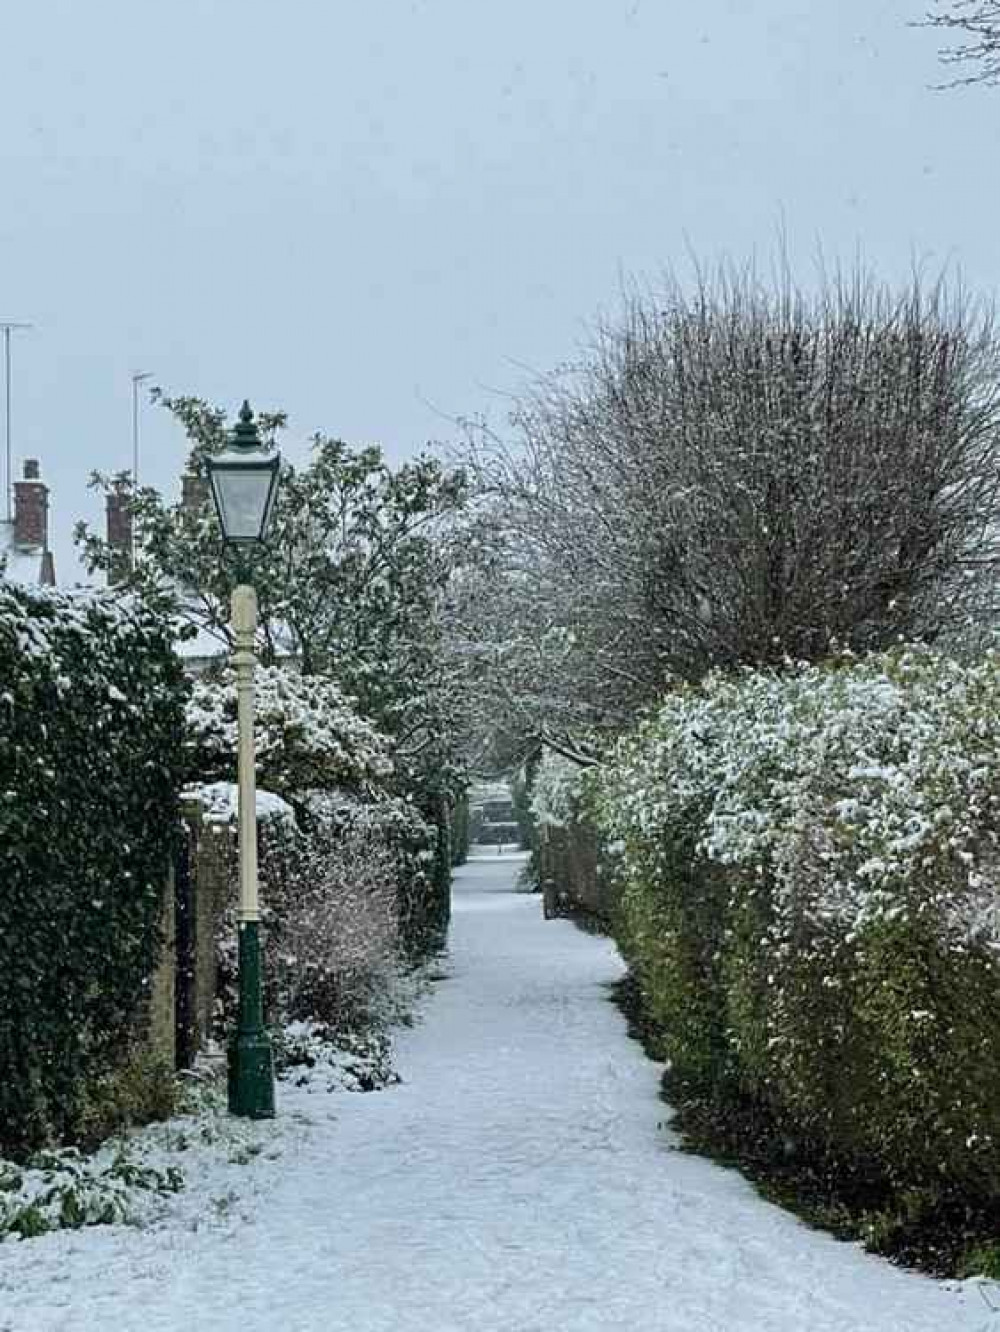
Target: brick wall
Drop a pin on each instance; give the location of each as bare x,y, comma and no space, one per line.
161,1029
182,991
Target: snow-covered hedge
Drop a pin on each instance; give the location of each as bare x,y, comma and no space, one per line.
91,712
809,870
308,733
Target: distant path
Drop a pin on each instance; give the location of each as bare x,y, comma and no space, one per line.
519,1181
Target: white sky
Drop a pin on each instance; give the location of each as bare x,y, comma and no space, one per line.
374,213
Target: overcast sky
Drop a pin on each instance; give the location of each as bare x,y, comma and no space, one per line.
375,215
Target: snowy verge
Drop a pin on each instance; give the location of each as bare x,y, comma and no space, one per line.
136,1178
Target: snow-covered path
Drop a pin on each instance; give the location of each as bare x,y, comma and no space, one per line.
517,1180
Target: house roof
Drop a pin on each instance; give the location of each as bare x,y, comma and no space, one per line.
31,565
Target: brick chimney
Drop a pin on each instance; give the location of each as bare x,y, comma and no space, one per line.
119,518
31,509
194,492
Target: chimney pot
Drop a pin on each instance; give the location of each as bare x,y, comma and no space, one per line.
31,472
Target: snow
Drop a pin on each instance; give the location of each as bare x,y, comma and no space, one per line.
220,801
22,564
482,793
519,1179
204,645
557,791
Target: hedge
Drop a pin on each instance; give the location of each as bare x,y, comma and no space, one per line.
91,714
808,871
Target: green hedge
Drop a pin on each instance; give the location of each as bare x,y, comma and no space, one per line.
808,871
91,712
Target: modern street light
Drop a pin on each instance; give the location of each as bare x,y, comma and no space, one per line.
244,484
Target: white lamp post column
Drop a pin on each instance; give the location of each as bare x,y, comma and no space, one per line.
244,624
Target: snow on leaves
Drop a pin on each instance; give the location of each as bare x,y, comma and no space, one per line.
308,734
887,768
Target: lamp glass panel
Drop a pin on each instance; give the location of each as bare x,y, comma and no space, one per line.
243,501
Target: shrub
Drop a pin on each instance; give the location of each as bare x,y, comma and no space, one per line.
308,734
140,1089
91,708
809,867
314,749
335,878
460,830
331,914
60,1190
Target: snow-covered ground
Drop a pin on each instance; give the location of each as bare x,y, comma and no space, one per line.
519,1179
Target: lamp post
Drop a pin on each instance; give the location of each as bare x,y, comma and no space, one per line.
244,483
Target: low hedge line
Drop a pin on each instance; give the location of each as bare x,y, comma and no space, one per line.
91,716
808,872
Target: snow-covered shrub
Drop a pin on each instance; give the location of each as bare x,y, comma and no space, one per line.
312,746
91,709
810,869
62,1190
308,1054
394,832
555,791
308,734
336,877
331,915
568,863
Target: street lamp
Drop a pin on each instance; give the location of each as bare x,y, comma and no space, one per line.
244,483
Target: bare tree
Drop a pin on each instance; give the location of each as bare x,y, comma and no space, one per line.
740,476
977,24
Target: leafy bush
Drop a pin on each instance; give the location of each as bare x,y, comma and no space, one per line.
461,830
308,734
316,751
309,1054
66,1191
91,713
555,791
809,868
140,1089
336,879
409,854
331,913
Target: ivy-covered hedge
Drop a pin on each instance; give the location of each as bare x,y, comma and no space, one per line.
91,717
809,881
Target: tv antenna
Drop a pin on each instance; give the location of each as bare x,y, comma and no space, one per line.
8,326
